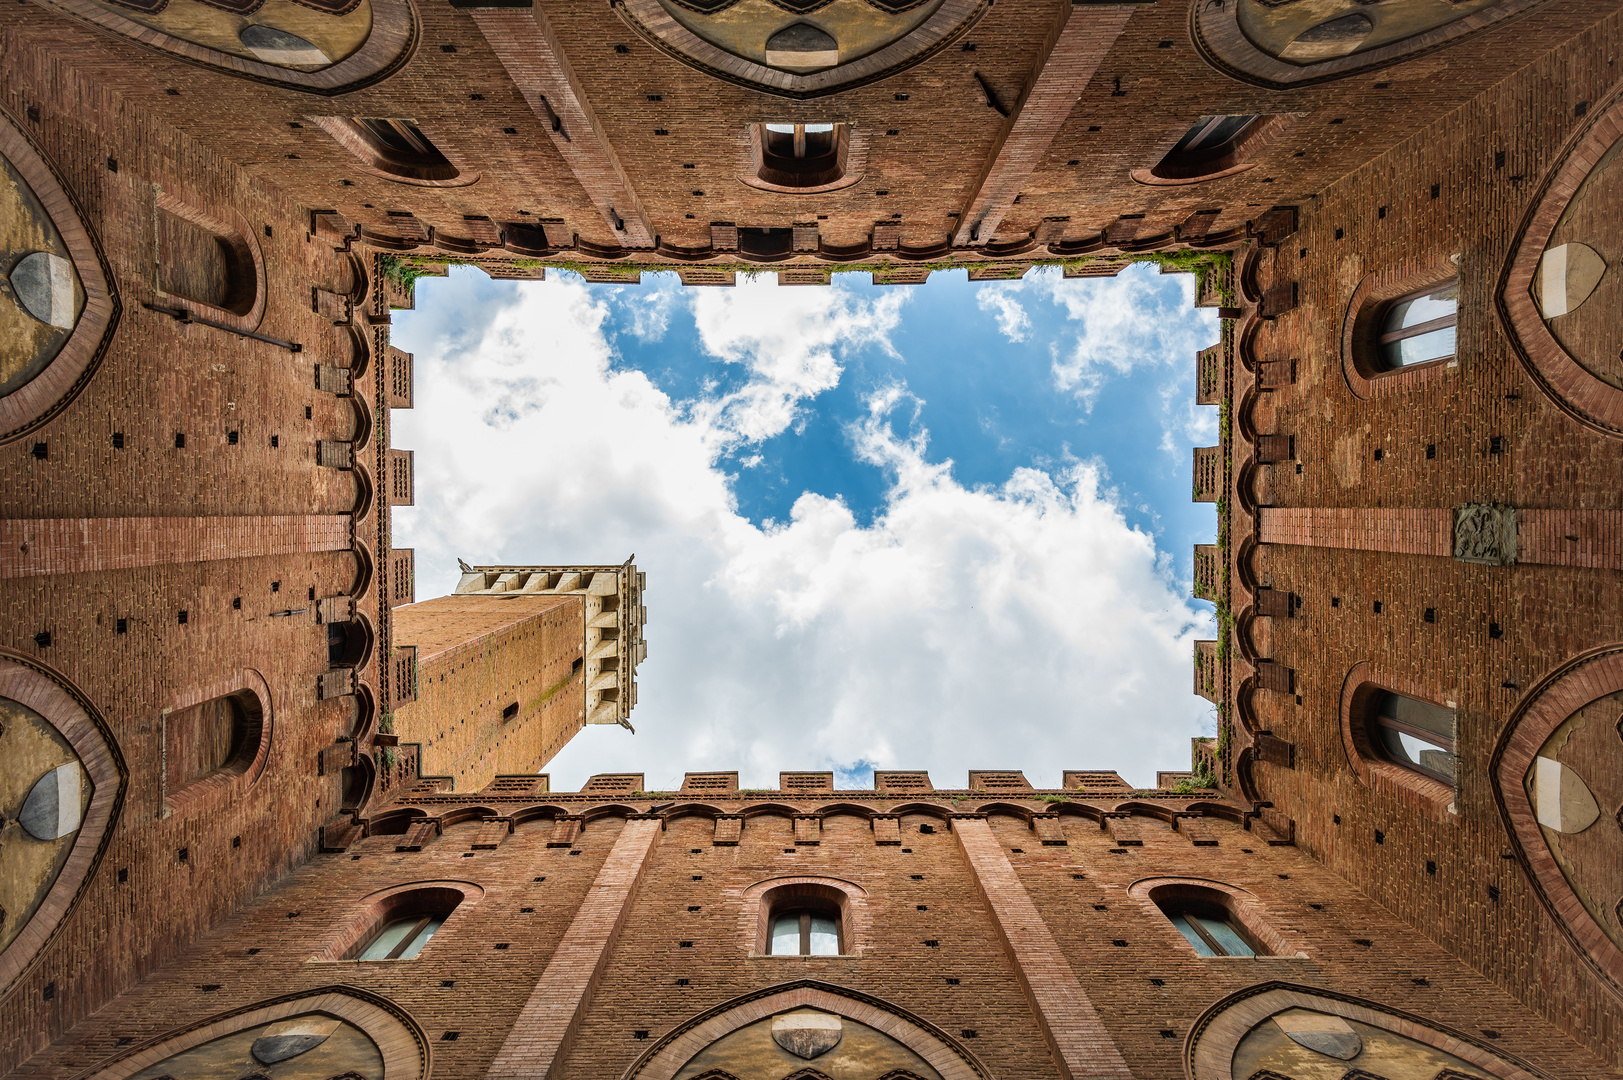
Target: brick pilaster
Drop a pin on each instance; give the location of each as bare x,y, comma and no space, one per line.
541,1034
30,547
1081,1045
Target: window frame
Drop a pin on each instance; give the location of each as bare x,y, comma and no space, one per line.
426,927
1191,907
765,167
843,901
806,913
1192,166
1376,726
1383,337
428,166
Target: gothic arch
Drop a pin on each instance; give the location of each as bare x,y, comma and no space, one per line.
390,37
665,1058
398,1039
384,903
1570,384
1557,698
1209,1049
1331,49
77,307
852,900
1242,904
48,696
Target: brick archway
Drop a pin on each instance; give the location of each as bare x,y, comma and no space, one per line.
62,705
665,1058
37,401
1208,1050
1582,680
1574,390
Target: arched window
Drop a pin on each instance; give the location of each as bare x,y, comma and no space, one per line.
800,155
799,158
395,147
399,927
349,642
805,931
221,735
203,264
1420,327
804,918
1414,734
1207,923
1210,147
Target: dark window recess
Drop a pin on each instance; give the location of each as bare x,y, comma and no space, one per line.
276,586
1431,451
968,1033
924,907
1377,607
1379,454
693,907
1496,444
275,441
448,48
112,164
1119,943
231,438
1494,630
1167,1033
917,877
1158,982
1363,942
182,618
932,944
510,711
503,945
622,49
639,1034
122,627
1436,189
41,452
681,982
1430,615
1212,144
684,944
236,841
1380,837
49,992
449,1036
1431,867
182,855
952,982
43,639
118,440
180,441
307,413
1499,159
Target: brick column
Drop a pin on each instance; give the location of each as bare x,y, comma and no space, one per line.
1403,532
524,42
541,1035
31,547
1592,538
1074,53
1081,1045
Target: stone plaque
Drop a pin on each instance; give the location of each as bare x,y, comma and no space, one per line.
1485,533
807,1034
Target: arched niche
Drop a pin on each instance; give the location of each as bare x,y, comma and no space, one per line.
209,265
1561,287
375,910
327,1032
58,306
798,49
805,1025
1555,779
318,46
1281,1029
217,740
61,786
1285,44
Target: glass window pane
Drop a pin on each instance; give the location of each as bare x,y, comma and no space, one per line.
784,129
786,935
1226,937
1437,305
1432,345
1190,935
825,937
385,942
812,129
1432,719
422,937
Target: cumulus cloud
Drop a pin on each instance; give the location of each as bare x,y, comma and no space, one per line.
1001,300
786,340
1025,624
1126,322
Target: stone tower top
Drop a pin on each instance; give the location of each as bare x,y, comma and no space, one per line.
615,615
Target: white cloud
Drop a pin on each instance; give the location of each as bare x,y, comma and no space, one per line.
786,339
1125,324
1000,298
1022,625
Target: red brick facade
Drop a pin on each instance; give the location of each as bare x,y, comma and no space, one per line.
195,494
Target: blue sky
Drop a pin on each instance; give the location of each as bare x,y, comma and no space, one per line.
942,526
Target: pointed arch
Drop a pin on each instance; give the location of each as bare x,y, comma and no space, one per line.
665,1058
396,1035
47,695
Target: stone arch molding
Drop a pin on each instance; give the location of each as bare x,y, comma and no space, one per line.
48,697
1578,686
1244,905
665,1059
59,301
398,1039
1280,46
211,35
1575,389
670,28
1209,1049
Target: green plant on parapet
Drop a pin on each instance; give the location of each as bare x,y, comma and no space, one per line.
1053,798
1224,427
388,758
386,723
960,798
403,273
1195,781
